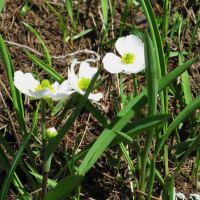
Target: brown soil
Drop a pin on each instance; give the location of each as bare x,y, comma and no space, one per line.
101,182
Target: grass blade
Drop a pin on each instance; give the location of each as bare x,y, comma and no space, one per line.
69,9
2,2
6,183
105,11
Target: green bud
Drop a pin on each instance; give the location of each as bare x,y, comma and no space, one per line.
51,133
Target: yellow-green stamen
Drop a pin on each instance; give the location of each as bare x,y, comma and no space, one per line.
128,58
45,84
84,83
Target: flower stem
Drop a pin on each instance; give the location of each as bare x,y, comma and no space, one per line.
45,174
138,137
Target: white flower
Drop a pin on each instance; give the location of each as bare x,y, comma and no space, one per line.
81,83
28,85
131,49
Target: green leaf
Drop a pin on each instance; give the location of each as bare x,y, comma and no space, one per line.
194,33
115,102
58,106
83,33
109,42
126,138
24,9
151,178
62,23
180,118
124,17
6,183
16,95
2,2
69,9
49,181
105,11
111,159
42,43
64,188
48,69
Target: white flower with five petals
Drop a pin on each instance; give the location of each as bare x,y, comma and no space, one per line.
81,82
28,85
131,49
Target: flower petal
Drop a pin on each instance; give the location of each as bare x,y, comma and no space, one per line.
120,45
130,43
95,97
112,63
73,80
60,95
134,68
65,86
40,93
25,82
86,71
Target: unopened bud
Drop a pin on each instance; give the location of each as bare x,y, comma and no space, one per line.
51,133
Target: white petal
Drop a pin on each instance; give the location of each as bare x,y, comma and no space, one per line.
60,95
56,86
133,43
120,45
25,82
95,97
65,86
130,43
73,81
86,71
30,81
40,93
112,63
133,69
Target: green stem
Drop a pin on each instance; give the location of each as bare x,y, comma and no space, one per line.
138,137
45,174
77,17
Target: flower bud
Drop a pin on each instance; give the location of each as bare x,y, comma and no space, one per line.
51,133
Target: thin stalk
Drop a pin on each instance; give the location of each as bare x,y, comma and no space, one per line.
111,18
166,160
44,144
138,137
77,17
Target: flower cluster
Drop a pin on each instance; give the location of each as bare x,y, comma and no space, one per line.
131,50
28,85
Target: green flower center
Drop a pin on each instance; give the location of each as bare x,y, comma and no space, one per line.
45,84
84,83
128,58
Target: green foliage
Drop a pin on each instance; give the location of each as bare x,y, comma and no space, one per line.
180,21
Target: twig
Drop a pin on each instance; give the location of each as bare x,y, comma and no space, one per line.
58,57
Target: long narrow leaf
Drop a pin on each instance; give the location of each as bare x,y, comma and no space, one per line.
16,95
48,69
42,43
2,2
194,33
105,11
180,118
64,188
69,9
6,183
